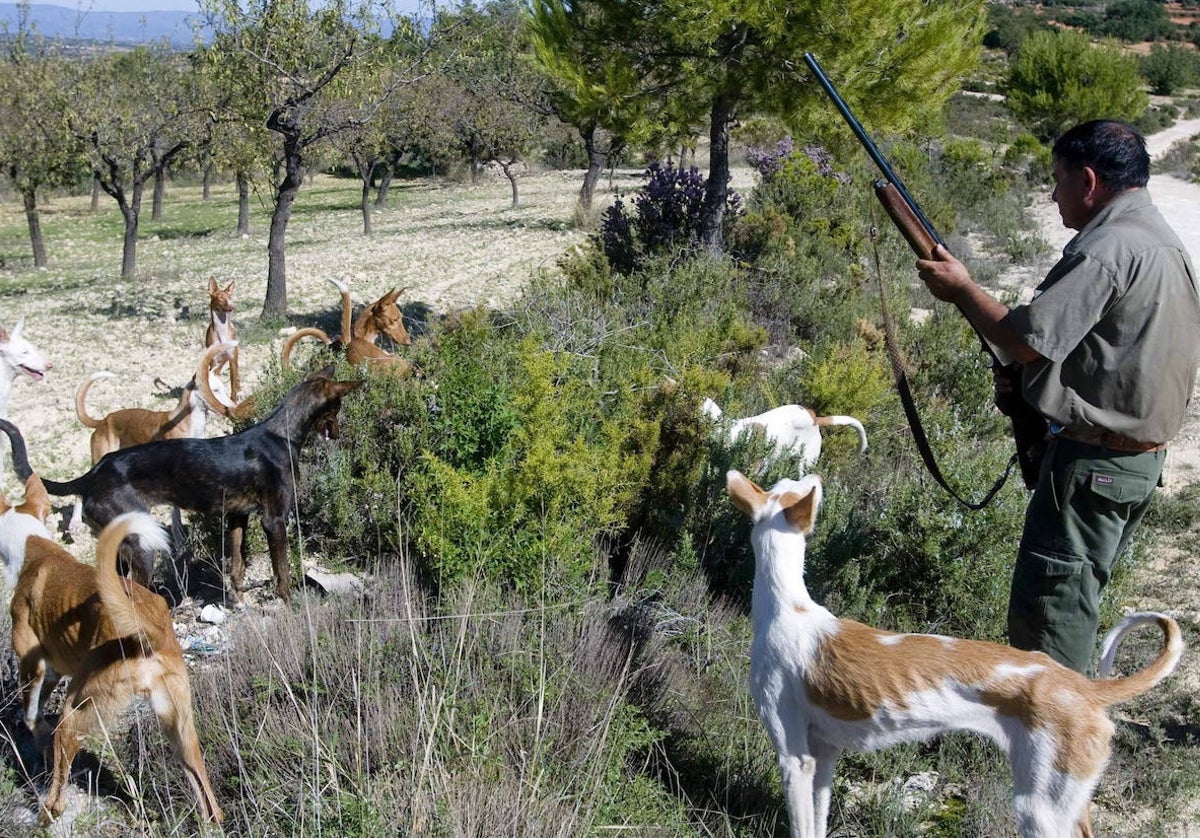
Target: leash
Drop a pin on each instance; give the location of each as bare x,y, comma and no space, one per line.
900,374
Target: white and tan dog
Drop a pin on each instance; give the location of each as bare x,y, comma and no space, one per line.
20,522
114,639
823,684
18,357
791,429
222,331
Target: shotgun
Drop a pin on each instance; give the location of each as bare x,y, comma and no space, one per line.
1028,425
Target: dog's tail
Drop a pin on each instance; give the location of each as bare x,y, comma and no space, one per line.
347,309
203,378
20,458
844,420
117,601
19,455
81,397
1112,691
303,332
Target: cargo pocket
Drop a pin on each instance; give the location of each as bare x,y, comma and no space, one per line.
1046,592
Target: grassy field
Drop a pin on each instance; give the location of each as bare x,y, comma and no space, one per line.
476,712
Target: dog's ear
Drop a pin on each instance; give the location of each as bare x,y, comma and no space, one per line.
37,500
800,508
746,496
324,373
4,505
212,285
335,389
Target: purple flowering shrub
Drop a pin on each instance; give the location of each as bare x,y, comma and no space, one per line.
666,215
801,202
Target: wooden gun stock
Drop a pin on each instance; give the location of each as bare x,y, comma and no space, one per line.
903,217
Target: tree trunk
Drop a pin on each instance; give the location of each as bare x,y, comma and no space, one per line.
717,192
35,227
130,211
275,304
511,175
599,157
95,193
206,183
156,203
366,206
366,171
243,190
385,185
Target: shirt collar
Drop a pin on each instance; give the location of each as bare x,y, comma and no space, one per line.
1128,201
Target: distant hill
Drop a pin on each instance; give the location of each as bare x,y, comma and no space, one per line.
124,28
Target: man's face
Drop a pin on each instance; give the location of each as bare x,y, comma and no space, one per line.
1072,193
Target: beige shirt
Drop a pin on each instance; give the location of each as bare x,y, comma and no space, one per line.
1118,322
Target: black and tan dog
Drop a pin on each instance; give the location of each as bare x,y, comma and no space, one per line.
254,470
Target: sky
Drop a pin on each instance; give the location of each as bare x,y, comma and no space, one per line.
405,6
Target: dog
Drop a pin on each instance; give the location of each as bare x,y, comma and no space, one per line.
18,357
114,639
383,317
254,470
221,331
210,385
822,684
791,429
18,523
130,426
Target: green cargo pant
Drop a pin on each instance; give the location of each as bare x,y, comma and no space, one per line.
1086,505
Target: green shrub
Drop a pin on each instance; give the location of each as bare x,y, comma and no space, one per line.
1169,69
1058,79
526,508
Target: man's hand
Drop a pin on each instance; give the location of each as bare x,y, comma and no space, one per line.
946,277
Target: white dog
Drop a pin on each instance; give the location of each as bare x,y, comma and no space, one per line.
791,429
18,356
823,684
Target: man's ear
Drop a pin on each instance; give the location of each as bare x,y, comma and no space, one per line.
1094,189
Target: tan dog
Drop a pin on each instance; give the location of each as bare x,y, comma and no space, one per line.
131,426
114,639
824,684
383,317
19,523
221,331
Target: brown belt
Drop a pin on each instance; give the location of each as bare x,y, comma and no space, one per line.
1110,440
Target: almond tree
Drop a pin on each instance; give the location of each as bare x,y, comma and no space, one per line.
294,66
37,147
506,109
135,112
